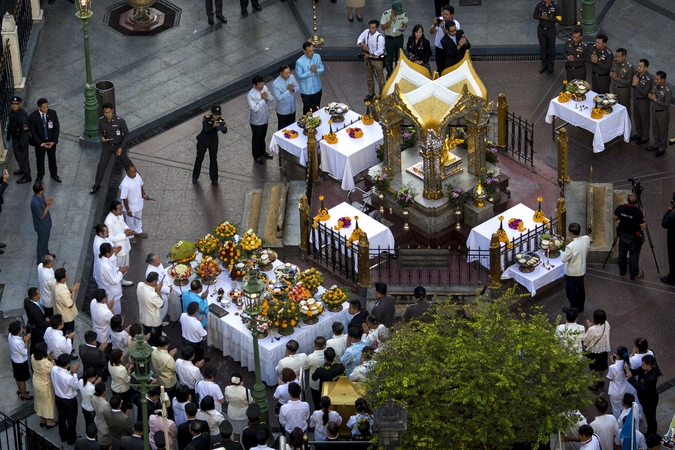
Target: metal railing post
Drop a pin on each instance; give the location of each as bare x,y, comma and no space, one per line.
563,175
304,225
313,155
502,112
495,263
364,261
561,217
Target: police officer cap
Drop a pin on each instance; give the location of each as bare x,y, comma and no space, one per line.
159,439
253,411
215,110
106,439
225,427
16,98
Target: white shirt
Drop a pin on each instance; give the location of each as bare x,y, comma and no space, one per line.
295,362
574,256
178,408
149,304
339,344
605,427
372,338
618,382
281,392
639,439
596,339
192,328
65,382
188,373
440,33
636,359
116,226
87,392
97,251
260,111
314,360
131,189
359,373
17,349
294,414
593,444
57,343
111,278
161,271
213,418
120,340
204,388
238,398
100,320
316,421
375,43
46,282
572,335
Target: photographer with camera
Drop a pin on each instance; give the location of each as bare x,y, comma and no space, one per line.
630,233
668,223
372,52
438,30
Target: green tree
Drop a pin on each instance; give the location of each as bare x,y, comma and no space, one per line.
480,378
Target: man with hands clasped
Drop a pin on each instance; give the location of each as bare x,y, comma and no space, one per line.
372,50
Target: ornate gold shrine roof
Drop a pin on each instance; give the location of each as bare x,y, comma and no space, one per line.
429,97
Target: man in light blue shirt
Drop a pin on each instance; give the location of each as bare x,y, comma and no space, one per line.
284,89
309,67
259,97
195,294
352,355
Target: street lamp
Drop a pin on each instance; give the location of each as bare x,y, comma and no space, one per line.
253,289
140,354
84,13
390,421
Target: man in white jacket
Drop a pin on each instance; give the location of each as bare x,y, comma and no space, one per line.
149,306
155,265
46,282
119,233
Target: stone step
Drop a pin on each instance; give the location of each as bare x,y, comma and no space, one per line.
292,218
251,212
269,212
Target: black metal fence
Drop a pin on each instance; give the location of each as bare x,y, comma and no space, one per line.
520,138
6,83
17,435
527,241
332,250
23,16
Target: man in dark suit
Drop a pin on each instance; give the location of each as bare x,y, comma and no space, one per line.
3,186
37,321
358,315
420,310
44,133
201,439
153,402
119,423
184,437
88,443
135,441
454,43
93,355
384,308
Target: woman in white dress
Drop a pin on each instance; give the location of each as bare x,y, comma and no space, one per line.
207,411
111,276
320,418
238,399
618,384
120,336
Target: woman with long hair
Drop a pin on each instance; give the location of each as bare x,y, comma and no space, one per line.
363,415
120,378
596,343
296,440
419,47
207,411
320,418
120,336
87,389
100,405
618,383
43,389
238,398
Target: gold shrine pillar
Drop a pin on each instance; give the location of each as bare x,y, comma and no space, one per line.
391,165
475,148
431,164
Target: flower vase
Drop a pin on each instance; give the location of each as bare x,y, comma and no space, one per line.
311,320
458,219
381,197
208,281
286,331
406,214
335,309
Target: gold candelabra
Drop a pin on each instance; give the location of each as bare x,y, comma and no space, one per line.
316,40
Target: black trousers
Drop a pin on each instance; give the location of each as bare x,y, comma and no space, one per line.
198,347
49,312
67,410
576,294
649,410
440,60
108,151
311,101
40,161
88,417
209,7
600,83
316,398
547,46
42,244
21,155
258,134
68,327
155,333
630,245
213,161
284,120
244,4
126,397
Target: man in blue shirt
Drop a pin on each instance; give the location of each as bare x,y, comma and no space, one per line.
284,89
352,355
259,97
309,67
42,219
195,294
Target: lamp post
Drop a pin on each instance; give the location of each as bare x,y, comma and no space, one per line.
140,354
589,24
390,421
253,290
84,13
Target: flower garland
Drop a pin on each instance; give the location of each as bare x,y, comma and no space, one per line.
331,137
323,213
539,216
290,134
355,133
501,233
343,222
517,224
261,323
356,233
225,231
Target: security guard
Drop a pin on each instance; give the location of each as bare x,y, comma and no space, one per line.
208,140
548,14
622,75
576,53
630,229
19,132
660,97
225,441
602,58
113,132
642,86
248,439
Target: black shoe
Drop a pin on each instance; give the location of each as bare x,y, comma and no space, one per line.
257,6
194,181
49,427
2,252
259,160
244,12
642,141
666,280
24,179
73,357
360,19
660,153
95,189
2,245
211,22
51,1
542,68
57,178
549,72
652,148
38,180
267,155
351,19
635,137
18,172
214,183
221,18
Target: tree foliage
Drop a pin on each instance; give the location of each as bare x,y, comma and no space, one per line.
481,378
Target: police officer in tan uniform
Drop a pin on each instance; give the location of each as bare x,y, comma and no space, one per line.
660,97
642,86
576,53
602,58
622,75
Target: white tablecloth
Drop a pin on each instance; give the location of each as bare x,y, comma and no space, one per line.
379,236
540,276
604,130
480,236
230,335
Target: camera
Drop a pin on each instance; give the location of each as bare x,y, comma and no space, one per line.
636,183
361,55
439,22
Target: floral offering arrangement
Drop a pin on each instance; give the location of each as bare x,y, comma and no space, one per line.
379,151
299,293
597,113
310,278
331,137
323,212
250,241
539,216
491,152
491,183
283,313
208,245
180,271
259,321
517,224
457,196
278,286
228,254
183,251
334,296
208,268
355,133
564,96
238,271
367,118
406,196
343,222
225,231
381,181
310,120
356,233
310,308
408,137
501,232
289,134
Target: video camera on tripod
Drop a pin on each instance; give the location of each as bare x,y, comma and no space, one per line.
637,188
